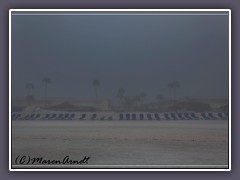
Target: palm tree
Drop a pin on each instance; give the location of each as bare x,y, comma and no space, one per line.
170,86
46,81
96,84
160,98
142,95
128,102
136,99
173,86
121,93
176,85
29,98
29,87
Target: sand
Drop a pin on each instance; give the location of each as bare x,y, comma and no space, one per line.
124,144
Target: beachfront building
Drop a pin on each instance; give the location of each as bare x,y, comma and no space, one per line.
60,104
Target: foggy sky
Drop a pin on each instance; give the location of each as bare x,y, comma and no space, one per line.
138,53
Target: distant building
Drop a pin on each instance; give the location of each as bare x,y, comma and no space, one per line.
61,104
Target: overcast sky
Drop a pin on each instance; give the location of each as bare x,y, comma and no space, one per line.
138,53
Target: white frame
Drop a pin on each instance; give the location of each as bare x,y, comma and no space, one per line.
119,10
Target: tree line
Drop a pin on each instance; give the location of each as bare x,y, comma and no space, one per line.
124,99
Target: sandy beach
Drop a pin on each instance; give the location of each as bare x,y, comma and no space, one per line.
160,144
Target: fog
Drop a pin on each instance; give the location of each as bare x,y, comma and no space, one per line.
137,53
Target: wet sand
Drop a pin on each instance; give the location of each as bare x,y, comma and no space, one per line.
111,144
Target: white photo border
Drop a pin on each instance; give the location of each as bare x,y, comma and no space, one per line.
228,11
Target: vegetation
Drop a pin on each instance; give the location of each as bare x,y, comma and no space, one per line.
173,89
121,94
160,98
29,98
46,82
191,106
96,85
29,87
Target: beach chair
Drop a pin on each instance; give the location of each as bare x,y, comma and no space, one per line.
34,116
60,117
174,116
141,116
149,116
19,116
194,116
83,117
121,116
156,115
102,116
212,116
16,116
205,117
94,116
72,116
166,116
22,117
180,116
26,117
31,117
46,117
37,117
227,115
13,115
128,117
187,116
66,116
134,117
53,117
221,115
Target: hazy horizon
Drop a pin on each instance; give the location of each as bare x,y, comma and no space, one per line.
137,53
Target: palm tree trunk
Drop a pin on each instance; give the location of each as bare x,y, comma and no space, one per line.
176,94
96,92
170,94
174,89
45,95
